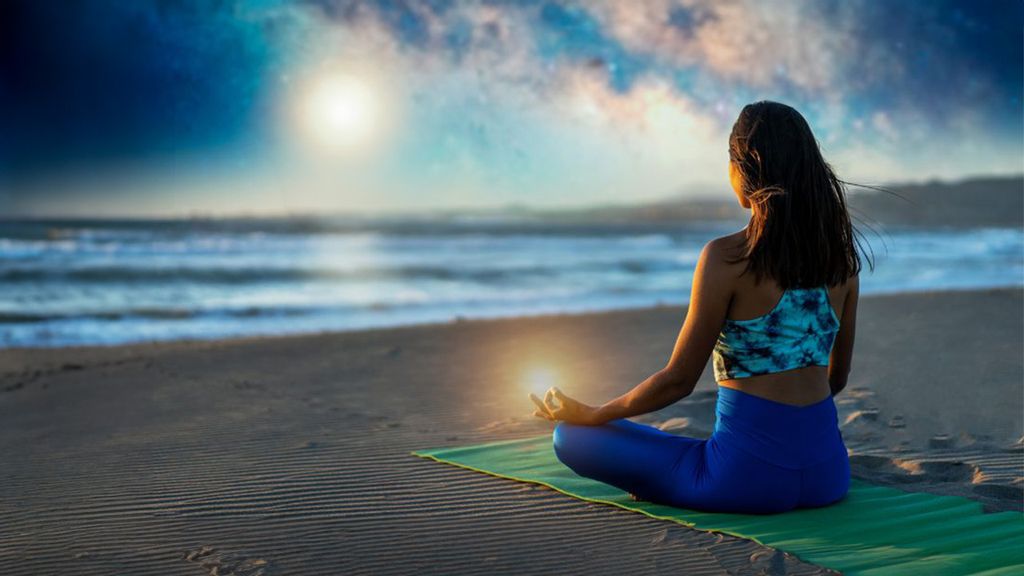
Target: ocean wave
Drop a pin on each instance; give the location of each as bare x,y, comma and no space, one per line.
72,283
206,275
151,314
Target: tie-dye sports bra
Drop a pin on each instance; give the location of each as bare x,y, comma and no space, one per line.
798,332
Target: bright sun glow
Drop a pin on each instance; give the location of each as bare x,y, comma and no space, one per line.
539,379
339,112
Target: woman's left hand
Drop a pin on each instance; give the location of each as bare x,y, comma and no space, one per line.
568,409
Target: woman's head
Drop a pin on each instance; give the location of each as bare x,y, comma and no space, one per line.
799,232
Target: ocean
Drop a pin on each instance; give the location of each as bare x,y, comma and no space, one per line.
93,282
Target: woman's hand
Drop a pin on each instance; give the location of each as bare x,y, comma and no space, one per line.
567,409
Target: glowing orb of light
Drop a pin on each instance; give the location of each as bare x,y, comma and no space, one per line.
538,379
338,112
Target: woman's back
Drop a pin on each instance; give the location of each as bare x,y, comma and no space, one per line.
775,303
750,301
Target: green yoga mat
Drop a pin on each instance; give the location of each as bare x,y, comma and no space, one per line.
874,530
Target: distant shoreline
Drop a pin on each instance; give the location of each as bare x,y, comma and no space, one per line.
932,202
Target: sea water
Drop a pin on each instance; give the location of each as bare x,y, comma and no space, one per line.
65,283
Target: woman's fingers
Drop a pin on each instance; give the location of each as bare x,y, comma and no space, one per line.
549,400
543,410
564,402
537,401
555,405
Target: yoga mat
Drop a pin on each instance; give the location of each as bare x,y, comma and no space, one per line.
875,530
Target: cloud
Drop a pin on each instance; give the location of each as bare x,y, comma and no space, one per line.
760,44
526,100
849,59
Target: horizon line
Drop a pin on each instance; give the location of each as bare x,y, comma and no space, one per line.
507,208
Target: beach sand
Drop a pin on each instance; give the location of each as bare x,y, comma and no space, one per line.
291,455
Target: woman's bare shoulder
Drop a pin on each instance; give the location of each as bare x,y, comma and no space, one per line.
725,252
730,242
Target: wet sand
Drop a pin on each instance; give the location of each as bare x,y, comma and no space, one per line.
291,455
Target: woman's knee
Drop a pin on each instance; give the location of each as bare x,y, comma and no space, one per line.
562,438
580,444
570,442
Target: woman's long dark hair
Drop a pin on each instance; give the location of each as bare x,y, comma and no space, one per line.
800,233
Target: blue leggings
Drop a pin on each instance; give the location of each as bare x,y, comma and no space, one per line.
763,457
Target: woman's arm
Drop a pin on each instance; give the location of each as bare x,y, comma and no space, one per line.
709,303
842,350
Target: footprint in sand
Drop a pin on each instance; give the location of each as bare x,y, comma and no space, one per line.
898,470
683,426
860,396
860,392
673,424
227,563
861,416
957,477
941,470
770,561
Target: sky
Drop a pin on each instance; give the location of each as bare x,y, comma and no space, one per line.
184,107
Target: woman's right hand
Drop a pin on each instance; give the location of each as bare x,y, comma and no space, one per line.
567,410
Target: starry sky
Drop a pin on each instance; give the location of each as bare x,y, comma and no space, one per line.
176,107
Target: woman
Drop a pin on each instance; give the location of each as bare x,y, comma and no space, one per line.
776,303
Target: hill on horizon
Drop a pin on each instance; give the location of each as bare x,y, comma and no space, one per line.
972,202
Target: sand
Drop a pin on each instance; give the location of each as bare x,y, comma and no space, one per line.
291,455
